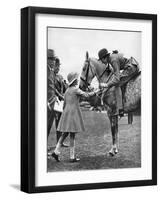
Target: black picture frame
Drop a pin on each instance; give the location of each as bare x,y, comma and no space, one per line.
28,90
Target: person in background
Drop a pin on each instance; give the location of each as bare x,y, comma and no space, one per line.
115,51
56,87
71,121
51,96
60,87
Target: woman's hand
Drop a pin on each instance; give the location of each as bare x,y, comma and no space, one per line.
61,97
49,106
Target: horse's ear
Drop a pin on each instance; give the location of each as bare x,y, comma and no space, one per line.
87,55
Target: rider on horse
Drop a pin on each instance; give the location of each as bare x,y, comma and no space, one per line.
117,62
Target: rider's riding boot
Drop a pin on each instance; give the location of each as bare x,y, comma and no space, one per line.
121,112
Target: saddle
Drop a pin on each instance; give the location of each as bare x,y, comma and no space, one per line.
124,80
122,83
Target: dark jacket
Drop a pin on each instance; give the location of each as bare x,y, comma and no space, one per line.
55,86
50,85
118,63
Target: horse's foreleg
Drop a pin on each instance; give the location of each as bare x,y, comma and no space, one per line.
114,131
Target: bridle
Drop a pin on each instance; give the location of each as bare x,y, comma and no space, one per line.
93,73
86,75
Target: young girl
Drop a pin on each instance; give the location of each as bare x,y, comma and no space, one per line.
71,121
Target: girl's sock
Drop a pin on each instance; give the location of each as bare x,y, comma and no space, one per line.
72,145
60,141
57,149
72,153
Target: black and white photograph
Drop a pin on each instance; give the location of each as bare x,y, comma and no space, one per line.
93,99
80,100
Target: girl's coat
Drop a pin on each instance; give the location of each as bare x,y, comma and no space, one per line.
71,119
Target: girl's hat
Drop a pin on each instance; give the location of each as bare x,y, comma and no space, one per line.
72,77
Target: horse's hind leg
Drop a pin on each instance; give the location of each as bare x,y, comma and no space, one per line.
114,131
130,118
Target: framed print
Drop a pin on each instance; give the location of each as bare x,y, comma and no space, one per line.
88,99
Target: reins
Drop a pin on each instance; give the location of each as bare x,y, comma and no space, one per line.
94,74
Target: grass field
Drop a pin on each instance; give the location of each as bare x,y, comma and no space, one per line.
92,146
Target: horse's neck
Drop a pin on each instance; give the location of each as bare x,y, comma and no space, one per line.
99,68
104,78
101,73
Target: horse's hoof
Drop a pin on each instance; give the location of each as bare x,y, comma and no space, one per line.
115,151
111,153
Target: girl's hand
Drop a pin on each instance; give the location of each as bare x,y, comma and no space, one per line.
90,88
97,91
103,85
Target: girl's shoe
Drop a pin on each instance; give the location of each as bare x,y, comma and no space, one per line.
54,155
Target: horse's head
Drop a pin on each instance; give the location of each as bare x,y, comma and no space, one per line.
87,74
91,68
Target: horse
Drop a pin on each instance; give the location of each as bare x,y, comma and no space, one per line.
131,98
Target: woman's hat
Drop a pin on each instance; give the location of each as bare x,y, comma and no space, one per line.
50,54
102,53
72,77
115,51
